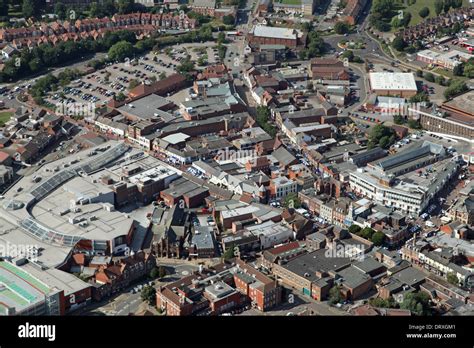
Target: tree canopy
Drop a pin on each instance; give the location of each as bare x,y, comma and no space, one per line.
121,50
417,303
424,12
148,294
341,28
381,136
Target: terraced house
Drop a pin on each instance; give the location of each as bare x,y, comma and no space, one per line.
93,28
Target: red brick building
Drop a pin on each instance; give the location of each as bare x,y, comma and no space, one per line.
263,35
328,69
263,292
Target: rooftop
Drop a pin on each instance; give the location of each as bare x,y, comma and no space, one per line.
146,107
392,81
306,265
276,32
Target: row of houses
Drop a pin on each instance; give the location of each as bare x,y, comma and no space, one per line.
93,28
431,26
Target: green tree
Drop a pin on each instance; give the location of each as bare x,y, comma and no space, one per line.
354,229
162,75
367,233
424,12
341,28
220,38
446,6
306,26
455,87
186,66
380,132
397,119
262,118
133,83
382,26
381,303
383,8
148,294
153,273
335,295
406,19
419,97
162,272
95,9
125,6
378,238
28,8
438,5
109,8
399,44
228,20
468,70
428,77
452,278
292,201
384,142
439,79
417,303
120,97
60,10
315,45
348,54
120,51
229,253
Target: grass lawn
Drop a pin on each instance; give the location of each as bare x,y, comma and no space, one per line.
417,6
290,2
5,116
448,74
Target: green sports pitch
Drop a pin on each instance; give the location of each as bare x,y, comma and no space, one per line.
290,2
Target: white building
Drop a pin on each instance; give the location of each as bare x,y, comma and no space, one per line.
406,181
393,84
271,233
281,187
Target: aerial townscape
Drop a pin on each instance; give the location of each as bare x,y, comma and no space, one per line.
236,158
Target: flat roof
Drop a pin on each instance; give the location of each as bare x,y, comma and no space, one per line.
392,81
176,138
239,211
353,277
306,265
19,289
203,237
463,103
145,107
276,32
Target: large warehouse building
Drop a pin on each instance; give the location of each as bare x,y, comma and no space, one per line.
393,84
